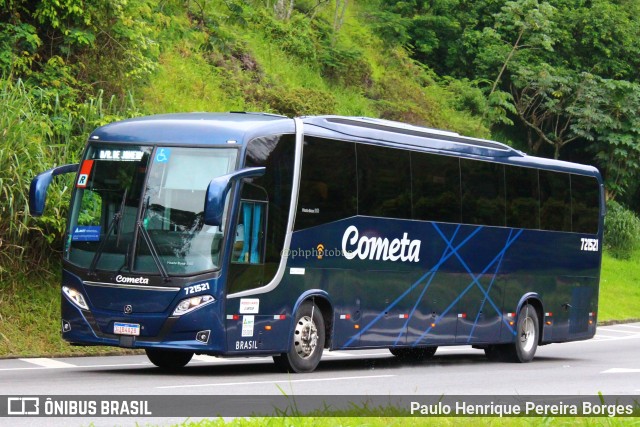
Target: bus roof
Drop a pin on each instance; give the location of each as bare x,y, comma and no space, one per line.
401,135
241,127
194,128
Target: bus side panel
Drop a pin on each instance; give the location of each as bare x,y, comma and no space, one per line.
343,287
480,305
554,266
388,321
434,320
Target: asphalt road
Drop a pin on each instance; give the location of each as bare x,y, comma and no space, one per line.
608,364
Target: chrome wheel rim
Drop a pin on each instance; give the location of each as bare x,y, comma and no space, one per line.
527,334
305,337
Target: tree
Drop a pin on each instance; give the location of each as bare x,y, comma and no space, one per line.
543,97
608,114
527,25
63,42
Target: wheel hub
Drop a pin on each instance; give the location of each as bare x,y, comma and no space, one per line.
527,334
306,337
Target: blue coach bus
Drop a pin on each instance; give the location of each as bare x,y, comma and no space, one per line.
243,234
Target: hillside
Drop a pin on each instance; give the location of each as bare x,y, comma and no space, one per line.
248,58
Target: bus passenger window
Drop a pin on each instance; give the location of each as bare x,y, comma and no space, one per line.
555,204
483,193
523,205
585,204
435,187
384,182
327,183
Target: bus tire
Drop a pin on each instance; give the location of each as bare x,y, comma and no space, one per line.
307,342
413,353
527,334
168,359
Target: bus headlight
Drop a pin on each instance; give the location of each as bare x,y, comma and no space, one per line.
75,297
187,305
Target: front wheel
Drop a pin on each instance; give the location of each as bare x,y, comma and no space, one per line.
307,341
168,359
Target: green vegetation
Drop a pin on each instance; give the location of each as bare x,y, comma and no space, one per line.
619,290
622,231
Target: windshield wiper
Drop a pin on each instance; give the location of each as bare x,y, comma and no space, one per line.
147,239
114,221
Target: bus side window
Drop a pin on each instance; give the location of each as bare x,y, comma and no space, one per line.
248,245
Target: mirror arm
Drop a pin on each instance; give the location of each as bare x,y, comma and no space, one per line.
219,188
39,185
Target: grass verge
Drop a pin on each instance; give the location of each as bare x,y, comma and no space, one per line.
619,288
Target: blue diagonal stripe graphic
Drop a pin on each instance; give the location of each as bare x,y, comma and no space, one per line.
473,282
426,286
412,287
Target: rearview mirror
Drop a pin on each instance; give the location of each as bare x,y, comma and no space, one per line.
39,185
217,193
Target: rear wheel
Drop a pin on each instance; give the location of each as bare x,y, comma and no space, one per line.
413,353
307,341
526,344
168,359
527,339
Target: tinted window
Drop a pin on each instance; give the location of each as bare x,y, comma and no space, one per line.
555,208
436,187
523,206
483,194
270,192
585,201
384,182
328,182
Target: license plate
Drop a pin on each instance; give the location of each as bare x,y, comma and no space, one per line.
126,328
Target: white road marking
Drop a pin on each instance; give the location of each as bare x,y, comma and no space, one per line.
113,365
289,381
48,363
337,353
628,326
620,331
621,371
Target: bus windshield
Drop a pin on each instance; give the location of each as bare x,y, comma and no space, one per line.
113,191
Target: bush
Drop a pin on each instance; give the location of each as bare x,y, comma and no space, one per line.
621,230
295,101
39,130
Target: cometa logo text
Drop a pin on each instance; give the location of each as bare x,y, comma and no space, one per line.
377,248
134,280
